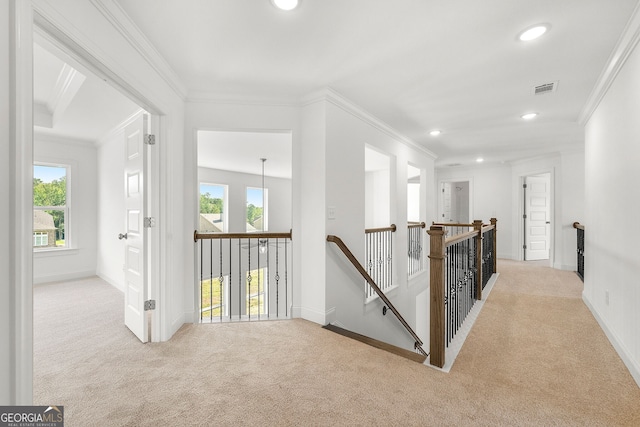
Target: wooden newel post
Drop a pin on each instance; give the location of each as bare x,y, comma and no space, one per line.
437,331
477,226
494,222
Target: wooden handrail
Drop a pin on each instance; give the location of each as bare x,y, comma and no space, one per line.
391,228
207,236
413,224
460,237
486,228
578,226
354,261
451,224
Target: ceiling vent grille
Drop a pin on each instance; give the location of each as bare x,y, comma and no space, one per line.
545,88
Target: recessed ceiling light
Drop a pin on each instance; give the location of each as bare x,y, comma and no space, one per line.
479,160
435,132
285,4
529,116
533,33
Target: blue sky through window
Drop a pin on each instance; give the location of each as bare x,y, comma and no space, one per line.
216,191
254,197
48,173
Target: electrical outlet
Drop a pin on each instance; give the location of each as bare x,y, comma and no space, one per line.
331,212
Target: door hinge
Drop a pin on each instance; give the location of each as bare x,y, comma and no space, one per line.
149,222
524,246
524,216
150,305
150,139
524,185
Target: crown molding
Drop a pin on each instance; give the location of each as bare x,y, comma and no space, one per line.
335,98
625,46
231,99
118,18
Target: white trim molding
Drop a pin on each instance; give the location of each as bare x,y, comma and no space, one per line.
350,107
618,345
626,44
114,13
21,201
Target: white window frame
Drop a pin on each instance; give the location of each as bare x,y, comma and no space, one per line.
225,204
38,236
66,208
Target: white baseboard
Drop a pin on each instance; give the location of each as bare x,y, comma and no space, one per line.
116,284
313,315
632,365
63,277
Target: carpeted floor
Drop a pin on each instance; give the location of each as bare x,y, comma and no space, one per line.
535,356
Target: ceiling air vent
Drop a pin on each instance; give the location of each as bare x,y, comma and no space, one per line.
454,164
545,88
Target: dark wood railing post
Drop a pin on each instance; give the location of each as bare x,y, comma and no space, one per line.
437,328
494,222
477,226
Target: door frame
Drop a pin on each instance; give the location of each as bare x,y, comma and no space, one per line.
440,201
519,219
24,19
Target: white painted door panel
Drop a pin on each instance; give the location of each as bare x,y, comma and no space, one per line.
537,220
135,269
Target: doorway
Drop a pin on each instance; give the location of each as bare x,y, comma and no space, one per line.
455,202
536,191
80,131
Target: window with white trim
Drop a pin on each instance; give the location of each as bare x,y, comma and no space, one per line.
256,217
213,208
50,206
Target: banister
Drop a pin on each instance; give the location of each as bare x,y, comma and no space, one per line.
391,228
451,224
412,224
269,235
354,261
460,237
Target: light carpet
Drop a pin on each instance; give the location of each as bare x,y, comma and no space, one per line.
535,356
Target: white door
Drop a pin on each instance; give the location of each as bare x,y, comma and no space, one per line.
537,220
135,268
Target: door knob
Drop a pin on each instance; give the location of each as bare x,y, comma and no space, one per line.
122,236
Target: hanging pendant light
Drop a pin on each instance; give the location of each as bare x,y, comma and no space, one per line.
263,242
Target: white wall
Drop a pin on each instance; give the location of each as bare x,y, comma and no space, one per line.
111,208
211,115
348,131
377,195
572,205
497,192
278,198
490,188
612,266
7,182
80,259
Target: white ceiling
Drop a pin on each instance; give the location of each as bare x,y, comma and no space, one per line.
70,103
242,151
415,64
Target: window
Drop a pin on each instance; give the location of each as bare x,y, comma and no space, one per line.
256,213
213,208
50,206
40,238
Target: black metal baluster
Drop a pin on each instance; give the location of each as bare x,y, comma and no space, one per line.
201,278
230,279
286,279
277,279
220,282
211,280
240,279
249,279
268,290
